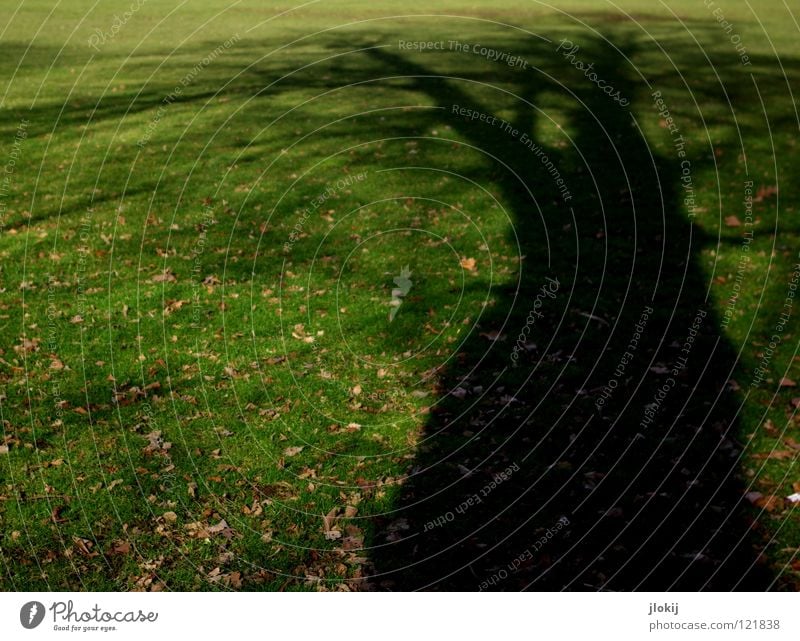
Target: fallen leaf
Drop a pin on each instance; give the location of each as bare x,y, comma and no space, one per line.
174,306
778,455
468,264
769,427
218,527
792,443
167,276
84,546
765,192
787,382
769,503
123,547
733,221
331,533
292,451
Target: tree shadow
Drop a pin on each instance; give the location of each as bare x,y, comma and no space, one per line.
603,457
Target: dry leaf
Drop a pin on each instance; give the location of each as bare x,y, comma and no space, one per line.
792,443
165,277
328,521
123,547
218,527
777,455
468,264
174,306
733,221
765,192
292,451
787,382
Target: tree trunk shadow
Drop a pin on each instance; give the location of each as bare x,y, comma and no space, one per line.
593,446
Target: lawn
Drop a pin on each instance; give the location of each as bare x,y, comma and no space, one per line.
390,296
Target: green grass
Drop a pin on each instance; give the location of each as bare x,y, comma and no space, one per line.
167,344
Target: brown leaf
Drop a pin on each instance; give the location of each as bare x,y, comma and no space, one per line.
733,221
777,455
123,547
792,443
328,525
468,264
167,276
765,192
769,427
173,306
84,546
770,503
787,382
219,527
293,451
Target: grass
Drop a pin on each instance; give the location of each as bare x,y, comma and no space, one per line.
202,386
